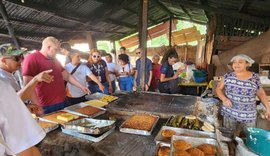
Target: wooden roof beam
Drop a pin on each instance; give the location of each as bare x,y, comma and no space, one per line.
193,21
121,23
226,12
204,2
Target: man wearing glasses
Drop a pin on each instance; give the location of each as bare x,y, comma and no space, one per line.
148,70
10,62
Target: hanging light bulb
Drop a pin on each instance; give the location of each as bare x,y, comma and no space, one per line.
22,1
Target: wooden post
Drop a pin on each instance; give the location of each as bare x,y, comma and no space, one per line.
91,42
143,40
115,54
170,33
8,25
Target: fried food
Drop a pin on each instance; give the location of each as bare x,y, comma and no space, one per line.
195,152
141,122
181,145
164,151
44,124
108,98
88,110
166,133
181,153
208,149
67,117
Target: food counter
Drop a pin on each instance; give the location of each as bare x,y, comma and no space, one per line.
118,143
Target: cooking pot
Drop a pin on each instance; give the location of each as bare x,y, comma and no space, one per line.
258,140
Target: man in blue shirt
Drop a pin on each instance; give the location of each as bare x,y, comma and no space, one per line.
148,70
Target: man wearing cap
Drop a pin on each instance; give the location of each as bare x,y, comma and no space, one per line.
241,88
10,61
50,96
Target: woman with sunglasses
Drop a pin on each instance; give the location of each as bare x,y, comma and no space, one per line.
168,79
99,68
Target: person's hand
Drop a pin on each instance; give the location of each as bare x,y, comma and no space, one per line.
44,76
227,102
35,109
101,87
267,115
85,89
175,76
146,87
110,89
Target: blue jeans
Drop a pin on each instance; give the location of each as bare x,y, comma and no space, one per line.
125,84
94,88
113,86
54,107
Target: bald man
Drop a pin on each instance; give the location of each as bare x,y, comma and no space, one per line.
51,97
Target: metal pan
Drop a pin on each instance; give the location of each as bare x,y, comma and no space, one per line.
200,134
137,131
50,128
158,147
72,109
94,96
221,150
53,116
89,126
87,136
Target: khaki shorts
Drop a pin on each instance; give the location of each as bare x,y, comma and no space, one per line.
232,124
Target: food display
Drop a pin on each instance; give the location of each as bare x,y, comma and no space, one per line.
46,125
142,124
96,103
193,146
190,122
164,151
61,117
108,98
88,110
83,109
167,133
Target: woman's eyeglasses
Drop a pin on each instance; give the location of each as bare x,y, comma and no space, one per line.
17,58
96,56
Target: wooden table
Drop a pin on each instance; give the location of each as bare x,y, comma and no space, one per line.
199,86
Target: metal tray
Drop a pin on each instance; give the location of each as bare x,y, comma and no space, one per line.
87,136
194,141
157,148
96,127
49,129
137,131
96,103
59,121
71,109
200,134
115,98
94,96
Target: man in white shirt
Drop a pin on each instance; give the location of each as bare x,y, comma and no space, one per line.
112,68
79,71
18,130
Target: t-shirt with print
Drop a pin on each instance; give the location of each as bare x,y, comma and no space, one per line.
99,70
17,126
167,70
80,75
148,68
126,68
112,67
48,93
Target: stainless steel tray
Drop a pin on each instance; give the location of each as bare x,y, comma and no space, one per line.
200,134
194,141
71,109
157,148
87,136
49,129
94,96
89,126
137,131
